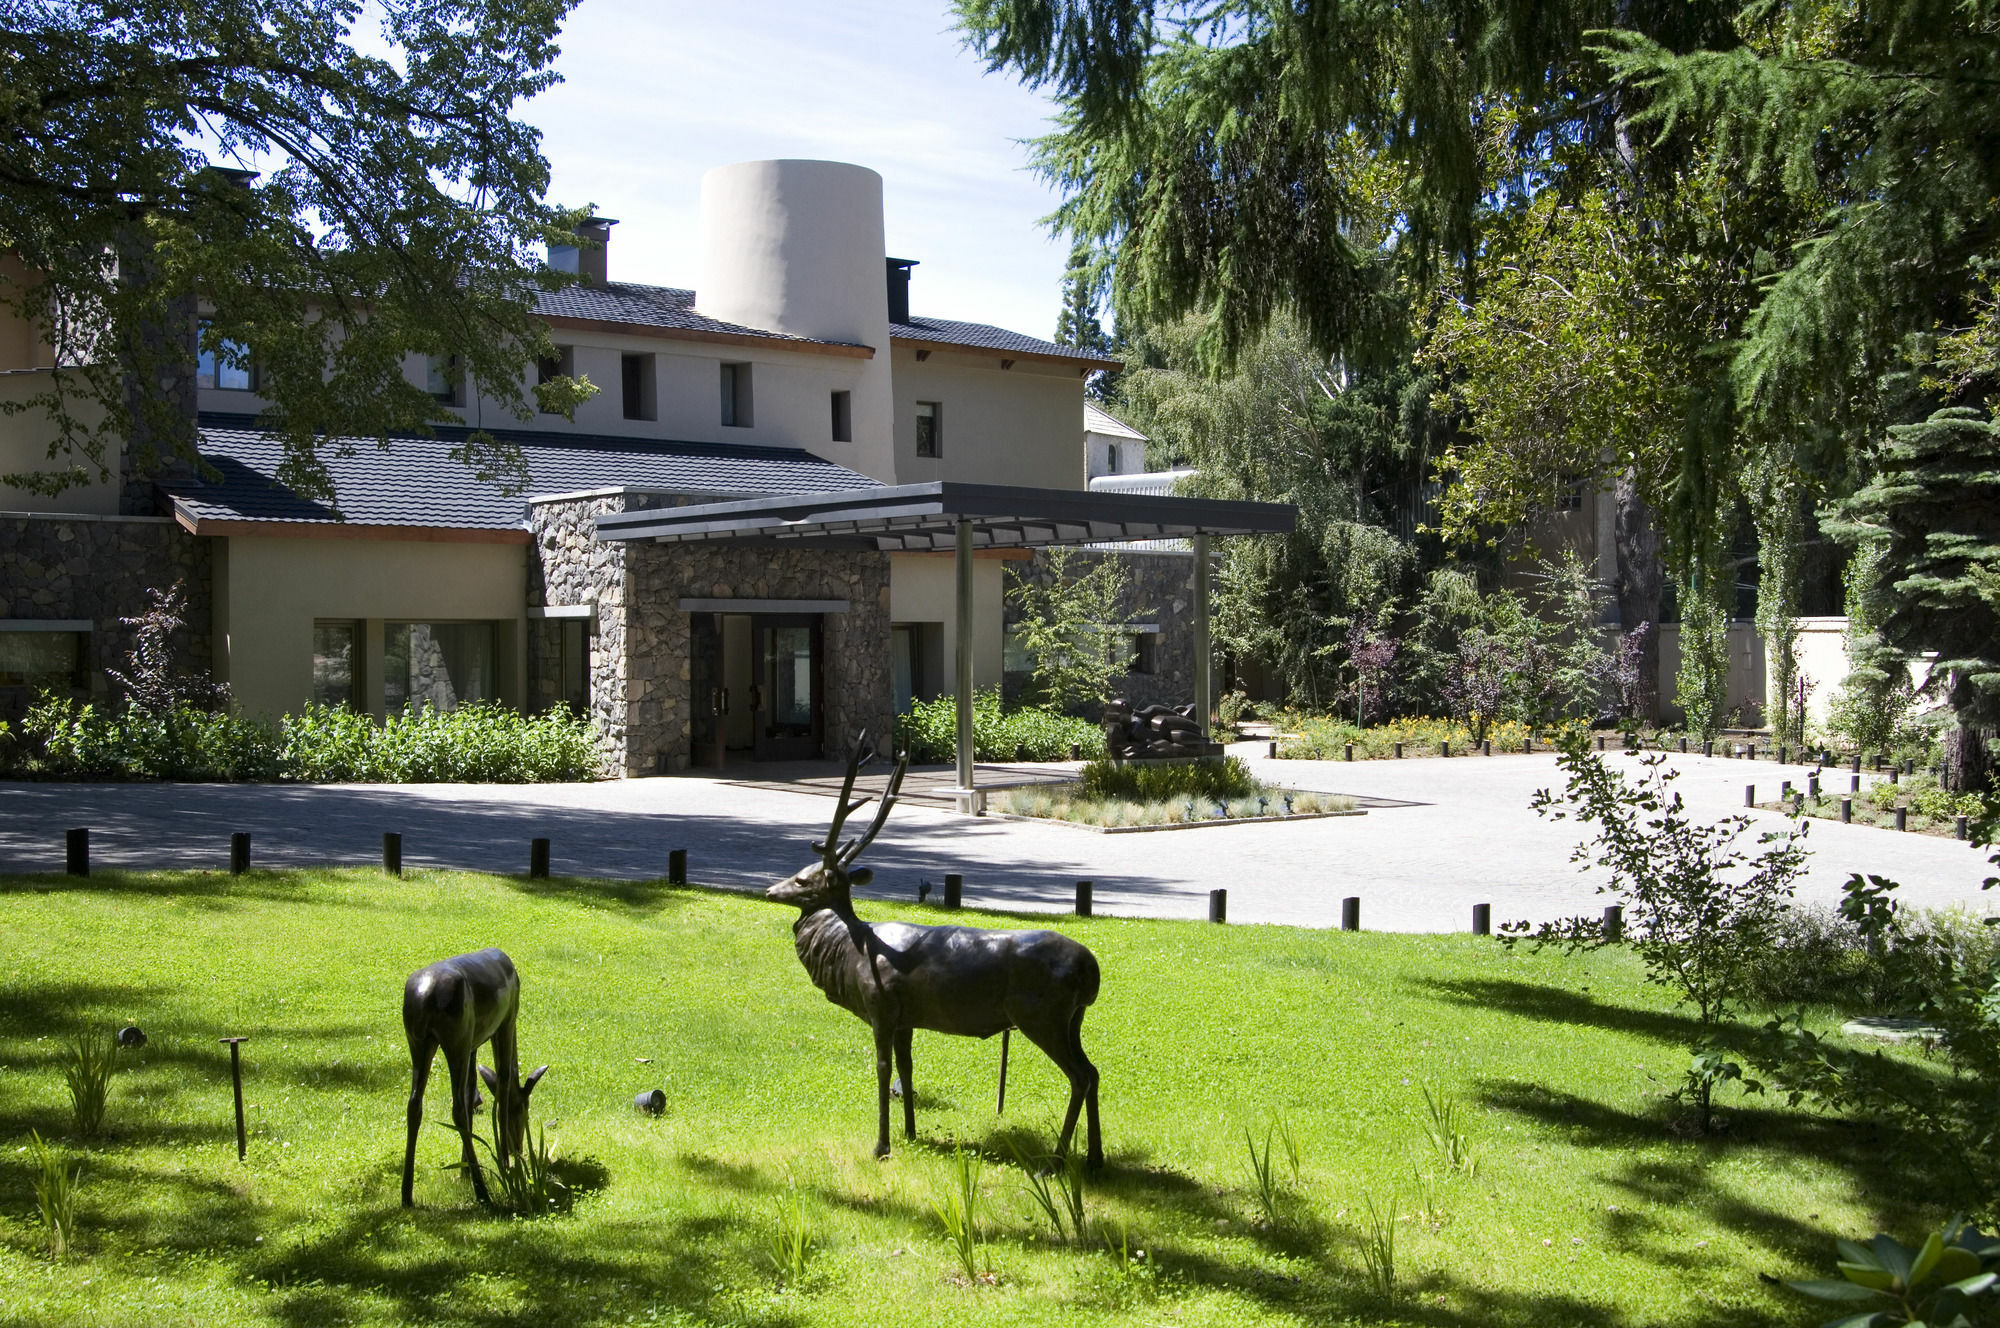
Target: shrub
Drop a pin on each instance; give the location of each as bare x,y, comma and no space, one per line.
929,731
88,1062
480,743
1700,910
1133,782
1323,738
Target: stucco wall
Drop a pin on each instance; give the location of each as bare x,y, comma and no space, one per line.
1747,674
640,670
100,568
923,587
1021,426
269,591
24,450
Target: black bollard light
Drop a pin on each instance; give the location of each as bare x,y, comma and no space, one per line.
1847,811
392,853
1218,906
1083,899
954,890
1482,919
1958,825
76,852
1486,747
239,853
1350,751
1444,749
1350,913
1749,795
538,859
677,867
1902,818
1614,923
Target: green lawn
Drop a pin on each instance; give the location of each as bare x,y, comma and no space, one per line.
1584,1209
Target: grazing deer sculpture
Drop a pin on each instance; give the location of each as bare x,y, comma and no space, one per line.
898,978
458,1005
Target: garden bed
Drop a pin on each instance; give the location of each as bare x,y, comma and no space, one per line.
1115,795
1046,802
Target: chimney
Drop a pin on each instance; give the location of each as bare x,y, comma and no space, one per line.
593,256
899,288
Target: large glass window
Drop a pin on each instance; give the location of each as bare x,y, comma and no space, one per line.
575,681
335,660
930,429
41,659
443,665
224,364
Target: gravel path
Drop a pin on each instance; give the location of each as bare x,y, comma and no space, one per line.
1469,838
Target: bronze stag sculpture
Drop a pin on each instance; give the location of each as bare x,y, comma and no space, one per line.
459,1004
898,978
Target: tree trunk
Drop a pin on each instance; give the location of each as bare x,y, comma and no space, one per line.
1966,762
1640,583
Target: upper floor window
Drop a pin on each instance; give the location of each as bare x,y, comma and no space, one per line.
843,417
736,403
560,365
930,431
637,378
444,380
1111,455
224,364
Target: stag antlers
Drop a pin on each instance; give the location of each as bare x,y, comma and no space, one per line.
836,857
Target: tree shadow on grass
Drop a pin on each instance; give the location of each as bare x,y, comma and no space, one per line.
1558,1005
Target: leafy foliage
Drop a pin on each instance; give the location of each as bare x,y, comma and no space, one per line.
1698,908
1885,1282
483,743
153,681
400,211
928,731
1068,623
1143,782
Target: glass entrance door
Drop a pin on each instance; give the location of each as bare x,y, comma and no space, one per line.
787,695
708,697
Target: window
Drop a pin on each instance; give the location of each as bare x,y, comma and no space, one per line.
736,396
42,658
636,374
843,417
1111,458
930,435
443,665
565,257
573,659
1015,657
444,380
1570,499
560,365
335,662
223,364
1142,651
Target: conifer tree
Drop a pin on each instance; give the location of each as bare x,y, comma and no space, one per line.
1934,505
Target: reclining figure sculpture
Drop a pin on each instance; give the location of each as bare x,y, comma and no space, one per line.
964,980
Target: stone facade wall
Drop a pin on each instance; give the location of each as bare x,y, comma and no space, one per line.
1160,590
100,568
640,665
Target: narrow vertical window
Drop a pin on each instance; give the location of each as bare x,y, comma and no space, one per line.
636,374
334,659
843,417
444,380
560,365
223,364
736,396
930,434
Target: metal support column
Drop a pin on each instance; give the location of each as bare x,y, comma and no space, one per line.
963,662
1203,684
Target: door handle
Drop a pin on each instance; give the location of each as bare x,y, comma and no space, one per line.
725,702
715,700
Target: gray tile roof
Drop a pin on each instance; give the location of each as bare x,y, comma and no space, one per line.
985,338
650,306
415,482
664,306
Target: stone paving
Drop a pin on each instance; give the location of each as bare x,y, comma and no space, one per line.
1467,837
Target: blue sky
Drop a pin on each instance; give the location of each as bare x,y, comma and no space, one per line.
654,94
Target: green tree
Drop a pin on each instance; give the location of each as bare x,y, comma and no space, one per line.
399,211
1070,622
1934,506
1289,425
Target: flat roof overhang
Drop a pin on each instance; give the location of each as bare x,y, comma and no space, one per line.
924,518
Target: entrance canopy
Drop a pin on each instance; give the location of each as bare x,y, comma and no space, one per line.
924,518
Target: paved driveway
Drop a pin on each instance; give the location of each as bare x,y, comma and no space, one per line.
1468,838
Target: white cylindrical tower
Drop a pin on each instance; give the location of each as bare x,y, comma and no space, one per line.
797,247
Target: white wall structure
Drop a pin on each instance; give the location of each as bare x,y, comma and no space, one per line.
1110,446
797,247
